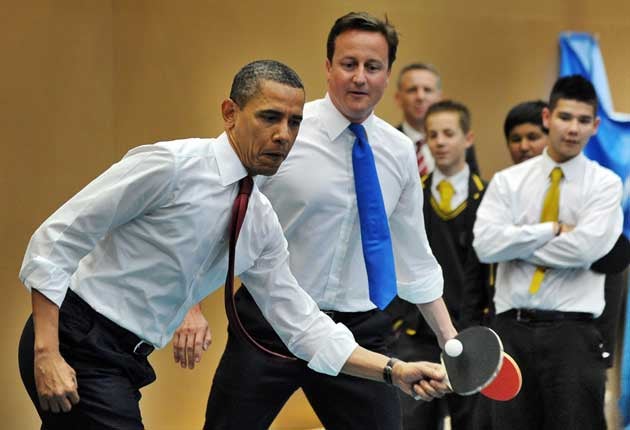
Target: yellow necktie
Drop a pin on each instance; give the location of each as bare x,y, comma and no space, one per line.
446,190
550,210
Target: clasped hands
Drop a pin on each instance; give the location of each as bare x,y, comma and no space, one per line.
422,380
560,228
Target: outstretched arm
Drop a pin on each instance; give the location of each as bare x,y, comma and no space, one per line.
421,380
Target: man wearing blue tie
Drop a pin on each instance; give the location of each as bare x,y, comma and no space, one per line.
350,203
113,271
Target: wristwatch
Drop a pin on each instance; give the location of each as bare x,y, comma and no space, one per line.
387,370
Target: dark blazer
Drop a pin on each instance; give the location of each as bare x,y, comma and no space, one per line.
477,296
617,260
475,303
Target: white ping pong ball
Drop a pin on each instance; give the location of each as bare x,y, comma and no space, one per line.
453,347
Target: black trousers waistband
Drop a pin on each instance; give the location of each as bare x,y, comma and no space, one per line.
128,340
539,315
343,317
369,328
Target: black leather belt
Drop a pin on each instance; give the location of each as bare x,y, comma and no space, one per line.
527,315
143,348
126,339
338,316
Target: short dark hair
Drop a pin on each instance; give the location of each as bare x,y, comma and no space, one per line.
526,112
365,22
420,66
574,87
451,106
246,83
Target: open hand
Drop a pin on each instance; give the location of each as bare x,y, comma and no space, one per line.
191,338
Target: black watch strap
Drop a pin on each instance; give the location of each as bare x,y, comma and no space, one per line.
387,370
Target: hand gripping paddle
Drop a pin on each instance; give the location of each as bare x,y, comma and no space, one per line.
474,361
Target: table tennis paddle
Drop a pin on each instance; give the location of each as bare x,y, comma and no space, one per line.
508,382
475,362
472,359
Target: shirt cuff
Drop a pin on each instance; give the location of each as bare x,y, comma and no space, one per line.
423,291
334,352
45,277
543,232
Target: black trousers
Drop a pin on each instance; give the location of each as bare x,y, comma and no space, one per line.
108,373
430,415
563,376
608,322
250,388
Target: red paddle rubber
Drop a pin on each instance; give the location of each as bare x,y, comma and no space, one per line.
507,384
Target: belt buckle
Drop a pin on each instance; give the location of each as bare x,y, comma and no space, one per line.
143,348
520,316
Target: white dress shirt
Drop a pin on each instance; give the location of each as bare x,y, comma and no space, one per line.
148,239
415,136
508,230
459,181
313,194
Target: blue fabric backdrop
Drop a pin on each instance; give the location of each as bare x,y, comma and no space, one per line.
580,54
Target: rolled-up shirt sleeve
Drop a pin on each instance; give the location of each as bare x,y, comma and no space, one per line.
496,237
306,331
143,179
418,273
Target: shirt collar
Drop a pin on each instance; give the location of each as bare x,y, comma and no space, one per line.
571,169
231,169
411,132
334,123
459,180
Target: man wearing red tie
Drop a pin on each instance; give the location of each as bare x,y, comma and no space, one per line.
113,272
349,200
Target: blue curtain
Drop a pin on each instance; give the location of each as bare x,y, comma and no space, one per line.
580,54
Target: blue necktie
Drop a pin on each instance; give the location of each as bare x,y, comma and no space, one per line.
375,238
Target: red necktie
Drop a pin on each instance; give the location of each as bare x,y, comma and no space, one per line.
423,169
238,215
